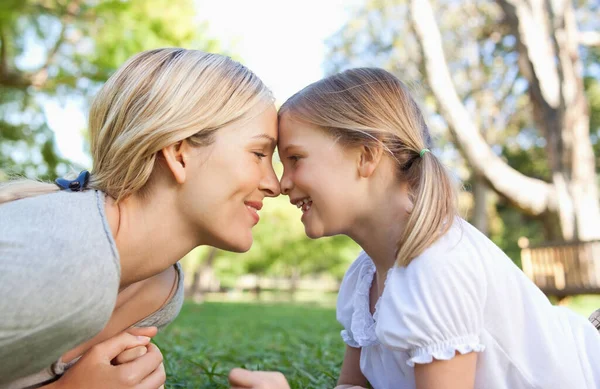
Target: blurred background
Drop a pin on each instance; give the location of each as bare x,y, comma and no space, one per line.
511,90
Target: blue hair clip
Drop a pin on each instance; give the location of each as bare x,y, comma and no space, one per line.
75,185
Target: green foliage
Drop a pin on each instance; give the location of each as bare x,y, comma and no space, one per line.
281,246
592,89
208,340
26,141
513,225
64,50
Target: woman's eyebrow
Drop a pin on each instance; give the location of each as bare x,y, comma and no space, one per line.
267,137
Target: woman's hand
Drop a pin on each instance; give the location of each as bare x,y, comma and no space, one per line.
132,354
97,368
246,379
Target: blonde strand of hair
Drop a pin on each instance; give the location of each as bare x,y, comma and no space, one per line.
433,212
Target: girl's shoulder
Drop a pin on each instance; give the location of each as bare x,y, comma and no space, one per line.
353,303
462,245
437,301
361,263
358,277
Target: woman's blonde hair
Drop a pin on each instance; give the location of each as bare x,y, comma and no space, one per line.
156,99
371,107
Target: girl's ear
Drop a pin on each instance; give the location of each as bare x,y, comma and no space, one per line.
176,157
368,160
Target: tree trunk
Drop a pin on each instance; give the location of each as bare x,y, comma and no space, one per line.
548,58
548,44
206,267
257,289
294,279
480,205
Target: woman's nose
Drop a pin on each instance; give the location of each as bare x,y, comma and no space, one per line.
270,184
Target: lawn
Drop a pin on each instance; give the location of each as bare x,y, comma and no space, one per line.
207,340
300,340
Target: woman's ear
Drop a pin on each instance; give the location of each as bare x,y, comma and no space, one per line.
175,158
369,158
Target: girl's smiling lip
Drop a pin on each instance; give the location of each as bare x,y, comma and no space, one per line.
304,204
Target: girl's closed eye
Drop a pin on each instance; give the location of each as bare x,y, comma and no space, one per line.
294,158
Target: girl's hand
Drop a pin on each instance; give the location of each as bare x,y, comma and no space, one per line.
95,370
245,379
348,387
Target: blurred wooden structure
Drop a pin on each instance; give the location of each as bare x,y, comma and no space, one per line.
563,269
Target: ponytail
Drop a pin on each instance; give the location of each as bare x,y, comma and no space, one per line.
434,208
23,188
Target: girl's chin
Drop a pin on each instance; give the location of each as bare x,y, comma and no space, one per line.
311,233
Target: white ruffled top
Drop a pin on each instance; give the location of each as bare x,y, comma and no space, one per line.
462,295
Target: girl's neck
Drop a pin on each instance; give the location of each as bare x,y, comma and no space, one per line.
148,234
378,233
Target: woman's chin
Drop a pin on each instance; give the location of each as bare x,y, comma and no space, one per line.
237,245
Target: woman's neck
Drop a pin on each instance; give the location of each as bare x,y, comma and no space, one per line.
149,236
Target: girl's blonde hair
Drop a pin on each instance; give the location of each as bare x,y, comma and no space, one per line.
156,99
371,107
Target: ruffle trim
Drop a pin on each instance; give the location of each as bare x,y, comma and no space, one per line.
445,351
363,324
348,339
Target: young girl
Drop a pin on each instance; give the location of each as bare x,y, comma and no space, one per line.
431,302
181,142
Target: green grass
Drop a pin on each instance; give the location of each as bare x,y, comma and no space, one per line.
300,340
207,340
582,304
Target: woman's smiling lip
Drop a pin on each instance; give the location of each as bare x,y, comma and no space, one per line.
253,207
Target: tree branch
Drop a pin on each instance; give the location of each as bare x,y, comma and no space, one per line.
531,195
589,38
506,88
39,77
3,52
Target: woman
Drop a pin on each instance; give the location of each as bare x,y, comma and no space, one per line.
181,143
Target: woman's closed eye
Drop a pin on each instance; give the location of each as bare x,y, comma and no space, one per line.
259,155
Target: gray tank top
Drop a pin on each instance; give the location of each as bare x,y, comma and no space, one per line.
54,249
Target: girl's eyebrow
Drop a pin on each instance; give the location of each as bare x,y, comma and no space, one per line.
290,147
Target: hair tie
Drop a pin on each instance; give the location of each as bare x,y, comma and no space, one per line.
422,152
76,185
